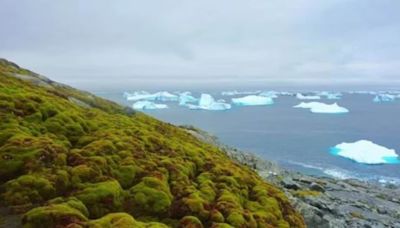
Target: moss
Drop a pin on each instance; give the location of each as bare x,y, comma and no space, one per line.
356,214
55,215
122,220
306,193
236,219
190,222
151,195
101,198
28,189
221,225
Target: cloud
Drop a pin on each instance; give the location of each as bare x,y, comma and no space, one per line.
299,41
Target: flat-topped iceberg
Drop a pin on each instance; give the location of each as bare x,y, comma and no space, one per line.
186,97
300,96
207,102
318,107
235,92
384,98
364,151
330,95
252,100
148,105
143,95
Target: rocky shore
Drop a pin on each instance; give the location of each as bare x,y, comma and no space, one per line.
324,201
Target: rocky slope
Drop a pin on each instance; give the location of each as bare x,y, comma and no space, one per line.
323,201
71,159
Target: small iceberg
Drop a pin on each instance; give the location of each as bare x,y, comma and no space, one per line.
367,152
300,96
318,107
271,94
330,95
143,95
207,102
148,105
384,98
235,92
186,97
252,100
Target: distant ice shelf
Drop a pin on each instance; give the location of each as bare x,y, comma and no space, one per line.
367,152
146,105
318,107
207,102
252,100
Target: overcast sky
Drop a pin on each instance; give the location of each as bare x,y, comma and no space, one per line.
218,41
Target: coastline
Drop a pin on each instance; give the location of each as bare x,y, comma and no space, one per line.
323,201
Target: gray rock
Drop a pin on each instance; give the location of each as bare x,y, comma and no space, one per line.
317,187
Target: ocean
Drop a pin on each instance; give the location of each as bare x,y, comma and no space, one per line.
296,138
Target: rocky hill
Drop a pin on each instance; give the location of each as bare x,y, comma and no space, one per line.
71,159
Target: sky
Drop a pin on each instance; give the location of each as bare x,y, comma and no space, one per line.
208,42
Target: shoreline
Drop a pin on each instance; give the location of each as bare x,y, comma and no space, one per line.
323,201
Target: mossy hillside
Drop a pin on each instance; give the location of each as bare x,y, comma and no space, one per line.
111,162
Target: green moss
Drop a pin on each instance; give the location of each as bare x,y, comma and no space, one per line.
306,193
190,222
236,219
101,198
221,225
55,215
28,189
151,195
122,220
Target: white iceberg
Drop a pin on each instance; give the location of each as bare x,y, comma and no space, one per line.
207,102
271,94
330,95
364,151
148,105
143,95
235,92
253,100
318,107
186,97
384,98
300,96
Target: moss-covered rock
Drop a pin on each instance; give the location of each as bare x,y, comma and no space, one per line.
101,198
54,215
190,222
122,220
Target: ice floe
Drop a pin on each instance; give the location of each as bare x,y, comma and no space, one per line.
364,151
384,98
252,100
318,107
148,105
300,96
207,102
235,92
330,95
186,97
143,95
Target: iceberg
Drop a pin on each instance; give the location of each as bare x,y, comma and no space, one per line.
300,96
207,102
148,105
271,94
364,151
330,95
186,97
252,100
235,92
384,98
318,107
143,95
